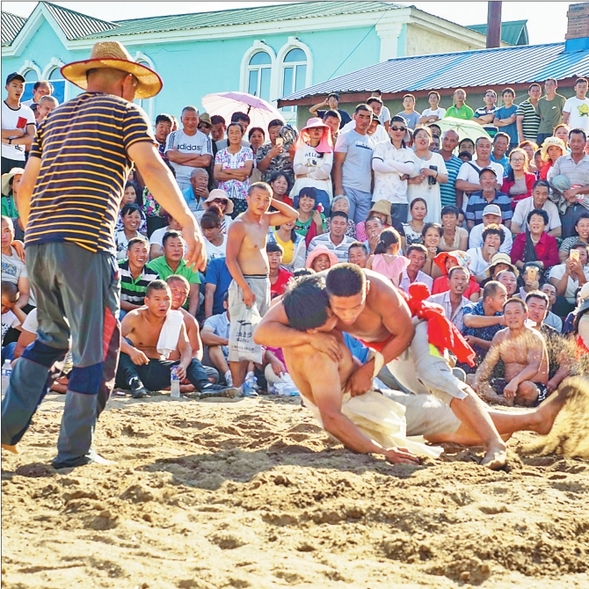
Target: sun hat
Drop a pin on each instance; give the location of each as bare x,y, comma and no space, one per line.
325,143
321,250
383,207
112,54
205,118
6,178
461,258
500,258
218,193
550,142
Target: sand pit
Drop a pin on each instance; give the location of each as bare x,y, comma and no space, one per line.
251,493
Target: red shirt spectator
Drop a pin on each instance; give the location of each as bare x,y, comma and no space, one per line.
279,285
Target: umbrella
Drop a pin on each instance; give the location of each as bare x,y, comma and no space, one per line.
465,129
226,103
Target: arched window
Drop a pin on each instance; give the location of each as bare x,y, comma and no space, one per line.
259,74
294,72
30,76
58,84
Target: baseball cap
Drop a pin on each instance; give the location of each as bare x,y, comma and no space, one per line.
487,170
14,76
492,210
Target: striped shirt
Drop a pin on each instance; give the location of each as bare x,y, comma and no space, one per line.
133,289
531,120
448,190
83,147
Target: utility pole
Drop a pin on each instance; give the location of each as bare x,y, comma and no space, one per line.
493,24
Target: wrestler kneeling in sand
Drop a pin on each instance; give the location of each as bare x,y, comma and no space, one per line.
305,324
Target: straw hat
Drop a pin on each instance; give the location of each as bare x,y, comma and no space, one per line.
112,54
321,250
383,207
552,141
218,193
6,178
500,258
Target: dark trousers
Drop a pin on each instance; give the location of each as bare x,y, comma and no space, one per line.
156,375
542,137
8,164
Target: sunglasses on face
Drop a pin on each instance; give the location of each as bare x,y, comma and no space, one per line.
395,128
220,201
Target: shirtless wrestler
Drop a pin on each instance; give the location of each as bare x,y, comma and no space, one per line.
525,357
370,308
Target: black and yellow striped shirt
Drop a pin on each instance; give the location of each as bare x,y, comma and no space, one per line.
84,165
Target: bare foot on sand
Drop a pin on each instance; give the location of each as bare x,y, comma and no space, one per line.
495,458
550,408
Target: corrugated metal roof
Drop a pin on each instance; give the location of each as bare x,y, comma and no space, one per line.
76,25
514,32
11,25
482,67
244,16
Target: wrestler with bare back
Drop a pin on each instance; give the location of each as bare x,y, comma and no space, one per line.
248,263
525,357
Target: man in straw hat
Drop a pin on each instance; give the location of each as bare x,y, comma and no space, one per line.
69,200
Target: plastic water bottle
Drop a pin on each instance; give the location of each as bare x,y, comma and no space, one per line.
175,382
6,373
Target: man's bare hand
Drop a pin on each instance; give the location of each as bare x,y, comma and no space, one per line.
328,344
510,390
196,253
360,381
401,456
249,298
138,357
277,367
181,372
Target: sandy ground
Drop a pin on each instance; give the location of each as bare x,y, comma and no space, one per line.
250,493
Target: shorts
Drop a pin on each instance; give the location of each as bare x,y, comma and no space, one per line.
498,384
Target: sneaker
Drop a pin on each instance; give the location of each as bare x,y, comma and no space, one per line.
138,390
247,390
217,390
229,378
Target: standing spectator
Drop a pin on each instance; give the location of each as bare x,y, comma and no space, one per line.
376,105
218,126
242,119
417,255
204,124
313,161
257,138
273,156
506,117
538,200
466,145
500,147
40,88
489,195
163,127
448,190
550,108
333,120
581,235
535,245
528,119
435,112
519,181
392,162
233,166
552,149
568,277
453,237
279,276
453,300
431,172
352,170
562,132
331,103
47,104
575,112
459,109
485,115
293,245
409,113
491,216
336,239
385,114
18,124
188,148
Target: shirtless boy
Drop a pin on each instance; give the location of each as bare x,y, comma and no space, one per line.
370,308
141,366
525,357
321,381
248,263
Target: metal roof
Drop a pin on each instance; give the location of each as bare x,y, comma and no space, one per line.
483,67
514,32
241,16
11,25
74,24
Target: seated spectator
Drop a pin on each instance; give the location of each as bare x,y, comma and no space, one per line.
321,259
538,200
519,181
281,188
491,216
531,277
483,320
509,280
311,221
134,276
453,299
562,132
525,360
567,278
279,276
215,240
12,320
172,262
341,203
131,218
154,214
417,255
220,199
198,191
531,149
131,197
155,241
358,254
465,156
215,336
489,195
412,231
535,245
336,239
466,144
581,322
217,281
10,183
380,209
386,259
582,236
432,234
480,257
13,267
499,262
447,260
313,161
551,319
552,149
144,365
453,236
374,227
292,244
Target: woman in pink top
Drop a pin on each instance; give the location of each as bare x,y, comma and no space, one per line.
386,259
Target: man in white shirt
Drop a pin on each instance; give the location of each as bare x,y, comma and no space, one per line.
417,255
336,239
453,300
538,200
188,148
435,112
491,216
575,112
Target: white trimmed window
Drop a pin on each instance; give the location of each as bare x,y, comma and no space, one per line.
259,75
